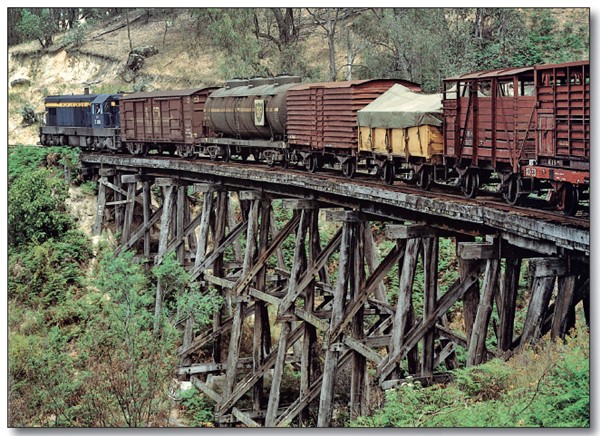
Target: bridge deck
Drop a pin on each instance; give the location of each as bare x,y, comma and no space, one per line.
545,232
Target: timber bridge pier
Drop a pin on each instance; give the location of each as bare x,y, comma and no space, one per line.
336,327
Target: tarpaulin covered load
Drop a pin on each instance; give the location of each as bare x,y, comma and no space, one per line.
400,108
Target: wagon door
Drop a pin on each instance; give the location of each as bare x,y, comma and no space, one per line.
319,118
546,143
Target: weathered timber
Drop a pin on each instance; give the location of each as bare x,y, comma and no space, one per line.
248,381
248,276
100,208
244,418
205,389
509,287
309,274
563,306
162,246
212,333
402,231
471,297
371,285
403,319
541,291
456,291
331,357
477,250
430,269
355,194
480,326
146,210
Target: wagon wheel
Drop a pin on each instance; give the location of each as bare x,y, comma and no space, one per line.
349,168
513,195
226,153
568,199
181,150
285,161
470,185
388,173
424,178
311,163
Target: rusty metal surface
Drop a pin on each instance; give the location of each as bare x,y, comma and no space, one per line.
395,202
166,93
166,117
536,113
323,115
501,72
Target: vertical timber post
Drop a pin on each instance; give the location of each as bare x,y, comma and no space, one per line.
339,296
165,225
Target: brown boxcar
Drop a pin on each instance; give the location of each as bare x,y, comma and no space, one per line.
322,122
526,124
164,119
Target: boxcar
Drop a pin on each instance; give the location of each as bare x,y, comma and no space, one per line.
529,125
322,122
164,120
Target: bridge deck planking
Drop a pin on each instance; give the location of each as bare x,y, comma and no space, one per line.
456,214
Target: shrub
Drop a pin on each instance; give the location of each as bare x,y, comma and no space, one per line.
198,408
27,112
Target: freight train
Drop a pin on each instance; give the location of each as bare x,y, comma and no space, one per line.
526,130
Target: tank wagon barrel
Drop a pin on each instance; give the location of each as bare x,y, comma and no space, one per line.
251,109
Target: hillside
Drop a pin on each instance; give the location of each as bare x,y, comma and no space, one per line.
208,46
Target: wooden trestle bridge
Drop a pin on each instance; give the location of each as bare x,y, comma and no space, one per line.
342,335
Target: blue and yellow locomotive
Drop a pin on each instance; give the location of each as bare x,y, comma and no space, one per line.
88,121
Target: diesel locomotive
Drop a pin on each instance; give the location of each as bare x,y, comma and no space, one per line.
524,129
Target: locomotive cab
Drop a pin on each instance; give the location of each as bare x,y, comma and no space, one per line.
105,111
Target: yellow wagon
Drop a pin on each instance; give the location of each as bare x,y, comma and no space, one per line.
401,132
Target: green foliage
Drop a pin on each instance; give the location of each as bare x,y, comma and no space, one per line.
42,275
27,112
39,26
75,36
546,387
36,208
89,187
484,382
42,374
127,366
184,299
230,31
198,408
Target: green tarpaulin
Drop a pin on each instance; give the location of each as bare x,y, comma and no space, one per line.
400,108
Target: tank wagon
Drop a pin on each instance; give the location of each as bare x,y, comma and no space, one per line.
88,121
171,121
248,117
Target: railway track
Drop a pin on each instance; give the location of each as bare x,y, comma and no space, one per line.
533,208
